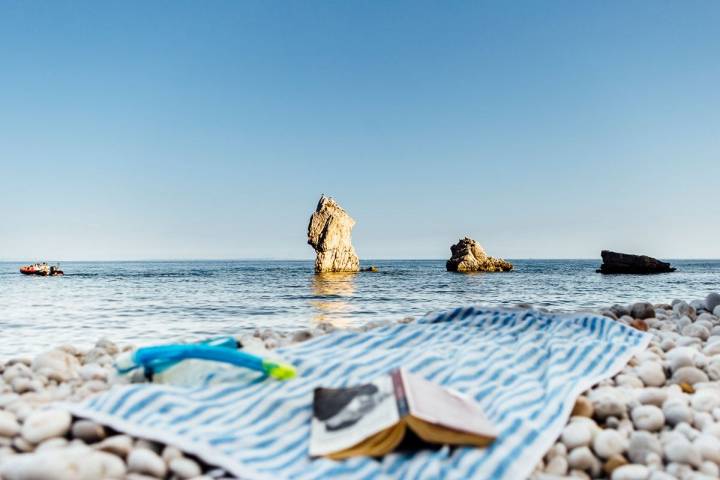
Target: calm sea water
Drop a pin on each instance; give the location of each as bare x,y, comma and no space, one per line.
146,302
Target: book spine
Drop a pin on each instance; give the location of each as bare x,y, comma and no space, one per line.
399,391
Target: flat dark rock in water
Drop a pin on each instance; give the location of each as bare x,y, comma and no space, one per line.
614,262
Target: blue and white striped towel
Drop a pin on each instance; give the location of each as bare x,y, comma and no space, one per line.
524,367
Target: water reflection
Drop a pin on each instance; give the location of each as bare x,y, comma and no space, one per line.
332,292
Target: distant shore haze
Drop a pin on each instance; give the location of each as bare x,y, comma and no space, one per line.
469,256
330,235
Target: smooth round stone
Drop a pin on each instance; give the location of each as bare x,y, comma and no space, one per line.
50,443
683,308
679,470
581,458
687,430
88,431
648,417
689,375
641,444
697,331
608,443
583,407
576,434
185,468
652,396
710,469
716,311
642,310
608,402
682,451
45,424
709,447
119,445
702,420
56,365
614,462
74,463
713,429
93,371
9,426
110,347
170,452
705,400
626,380
16,370
113,466
620,310
149,444
680,357
712,301
713,368
651,374
712,349
557,465
631,472
690,342
143,460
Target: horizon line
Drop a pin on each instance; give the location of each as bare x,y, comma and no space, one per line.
273,259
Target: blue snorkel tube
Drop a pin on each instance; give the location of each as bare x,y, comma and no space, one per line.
158,358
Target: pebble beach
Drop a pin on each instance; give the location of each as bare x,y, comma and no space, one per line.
657,419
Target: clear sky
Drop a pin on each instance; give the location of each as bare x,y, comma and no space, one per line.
554,129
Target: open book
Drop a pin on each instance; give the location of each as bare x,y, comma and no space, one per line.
373,419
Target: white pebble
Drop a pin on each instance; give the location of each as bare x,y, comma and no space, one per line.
652,374
113,466
689,375
631,472
676,412
609,442
576,434
9,426
56,365
641,445
581,458
648,417
680,357
709,447
558,465
142,460
607,402
119,445
682,451
185,468
705,400
73,463
652,396
711,469
93,371
45,424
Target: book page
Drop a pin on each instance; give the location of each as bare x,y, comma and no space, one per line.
344,417
448,408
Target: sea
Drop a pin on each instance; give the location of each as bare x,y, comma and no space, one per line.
145,303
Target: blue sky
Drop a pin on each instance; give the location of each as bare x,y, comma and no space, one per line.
137,130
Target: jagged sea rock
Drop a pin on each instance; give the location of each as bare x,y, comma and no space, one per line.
329,233
614,262
469,256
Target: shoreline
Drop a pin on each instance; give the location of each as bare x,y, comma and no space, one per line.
659,416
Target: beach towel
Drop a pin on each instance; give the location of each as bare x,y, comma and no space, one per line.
524,367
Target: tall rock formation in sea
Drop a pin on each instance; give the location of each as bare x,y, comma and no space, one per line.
469,256
329,234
